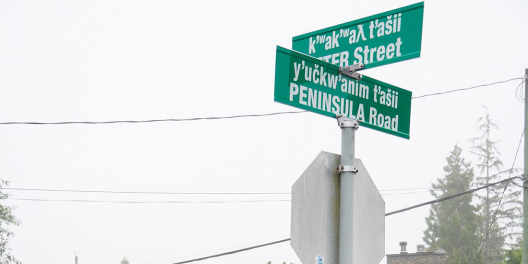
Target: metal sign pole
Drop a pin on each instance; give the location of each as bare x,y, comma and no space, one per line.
348,171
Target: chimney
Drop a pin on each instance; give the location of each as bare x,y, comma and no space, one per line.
403,246
420,248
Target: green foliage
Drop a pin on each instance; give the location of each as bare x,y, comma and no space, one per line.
453,225
500,208
513,256
6,218
124,261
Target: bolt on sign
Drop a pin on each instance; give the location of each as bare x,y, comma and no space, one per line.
376,40
311,84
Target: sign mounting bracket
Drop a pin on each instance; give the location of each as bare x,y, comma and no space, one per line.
351,71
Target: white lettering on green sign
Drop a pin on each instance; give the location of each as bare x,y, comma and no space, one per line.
308,83
376,40
321,100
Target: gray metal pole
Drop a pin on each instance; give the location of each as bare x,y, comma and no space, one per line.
525,174
348,171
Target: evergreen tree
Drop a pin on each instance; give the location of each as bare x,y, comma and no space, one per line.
6,218
500,209
453,224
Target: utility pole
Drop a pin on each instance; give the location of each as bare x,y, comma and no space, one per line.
525,174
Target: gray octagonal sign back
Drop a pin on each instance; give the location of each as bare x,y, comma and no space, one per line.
315,214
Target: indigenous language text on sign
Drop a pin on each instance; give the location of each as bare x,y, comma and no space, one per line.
307,83
376,40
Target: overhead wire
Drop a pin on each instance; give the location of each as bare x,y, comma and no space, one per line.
224,249
234,251
146,202
227,117
426,189
410,191
144,192
465,89
519,96
387,214
262,245
450,197
423,190
150,120
519,93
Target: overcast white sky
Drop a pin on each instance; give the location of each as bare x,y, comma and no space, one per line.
138,60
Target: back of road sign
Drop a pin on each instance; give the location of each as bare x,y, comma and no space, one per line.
315,214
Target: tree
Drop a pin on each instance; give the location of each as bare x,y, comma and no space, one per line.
6,218
500,209
124,261
453,224
513,256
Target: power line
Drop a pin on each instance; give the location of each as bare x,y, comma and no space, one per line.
387,214
426,189
145,192
148,121
169,201
167,193
465,89
225,117
451,196
234,251
519,93
172,193
144,202
211,252
165,202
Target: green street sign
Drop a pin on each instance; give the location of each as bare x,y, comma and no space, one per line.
376,40
308,83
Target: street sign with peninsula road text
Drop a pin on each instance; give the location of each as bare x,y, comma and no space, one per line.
308,83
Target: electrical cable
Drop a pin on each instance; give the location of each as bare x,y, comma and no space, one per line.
426,189
162,193
168,202
465,89
144,192
148,121
146,202
387,214
450,197
519,93
211,252
224,117
519,96
234,251
283,240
